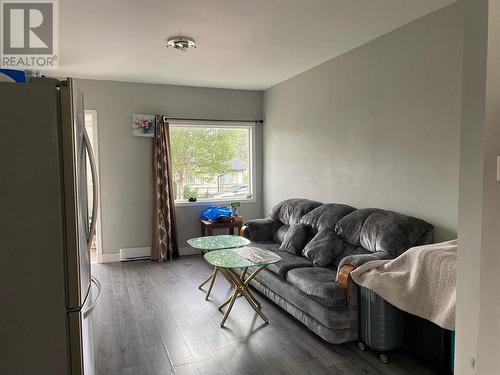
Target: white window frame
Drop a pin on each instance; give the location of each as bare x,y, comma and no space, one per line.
251,158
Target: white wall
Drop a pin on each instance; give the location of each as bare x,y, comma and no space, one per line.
471,185
125,161
478,291
376,127
488,360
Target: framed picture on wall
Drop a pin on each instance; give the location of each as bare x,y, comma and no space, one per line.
143,125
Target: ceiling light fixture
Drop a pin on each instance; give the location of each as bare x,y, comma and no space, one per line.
182,43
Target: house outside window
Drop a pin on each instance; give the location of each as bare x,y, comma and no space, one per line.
212,161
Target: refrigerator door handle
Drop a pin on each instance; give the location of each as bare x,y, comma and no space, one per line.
94,303
93,170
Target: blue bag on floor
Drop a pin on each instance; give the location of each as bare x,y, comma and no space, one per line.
214,213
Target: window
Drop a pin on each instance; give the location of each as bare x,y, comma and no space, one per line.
211,161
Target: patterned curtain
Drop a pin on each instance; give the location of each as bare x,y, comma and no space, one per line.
164,230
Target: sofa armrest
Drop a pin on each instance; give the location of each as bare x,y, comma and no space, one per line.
344,275
244,231
260,229
350,263
344,280
359,259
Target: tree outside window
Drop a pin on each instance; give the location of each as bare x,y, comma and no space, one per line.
210,162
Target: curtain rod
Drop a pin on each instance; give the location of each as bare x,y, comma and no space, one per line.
206,119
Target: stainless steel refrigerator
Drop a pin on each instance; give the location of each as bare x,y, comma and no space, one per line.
47,292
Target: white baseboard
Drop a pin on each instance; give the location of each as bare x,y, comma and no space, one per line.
135,253
110,258
115,257
188,250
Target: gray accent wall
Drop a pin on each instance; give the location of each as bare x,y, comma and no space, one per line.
125,161
376,127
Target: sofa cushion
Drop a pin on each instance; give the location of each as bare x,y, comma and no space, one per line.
326,216
391,232
349,227
294,239
323,248
261,229
340,317
348,251
288,261
279,235
291,210
381,230
319,284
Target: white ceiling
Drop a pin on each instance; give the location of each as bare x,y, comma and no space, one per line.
244,44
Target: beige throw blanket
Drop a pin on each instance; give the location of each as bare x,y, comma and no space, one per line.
421,281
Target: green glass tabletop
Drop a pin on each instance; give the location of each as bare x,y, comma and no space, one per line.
240,258
210,243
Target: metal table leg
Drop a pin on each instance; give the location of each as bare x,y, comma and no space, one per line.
208,279
211,284
241,286
211,278
250,295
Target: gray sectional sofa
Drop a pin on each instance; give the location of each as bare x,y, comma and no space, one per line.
316,241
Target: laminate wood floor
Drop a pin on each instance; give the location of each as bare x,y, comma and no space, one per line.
152,319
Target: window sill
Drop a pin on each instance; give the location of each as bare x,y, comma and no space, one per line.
217,202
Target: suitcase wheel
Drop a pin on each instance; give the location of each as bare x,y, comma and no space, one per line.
383,358
361,346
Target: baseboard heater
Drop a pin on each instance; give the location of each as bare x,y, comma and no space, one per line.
135,253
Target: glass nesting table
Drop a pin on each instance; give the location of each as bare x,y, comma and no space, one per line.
211,243
229,261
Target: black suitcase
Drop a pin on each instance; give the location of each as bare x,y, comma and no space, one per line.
382,326
429,344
